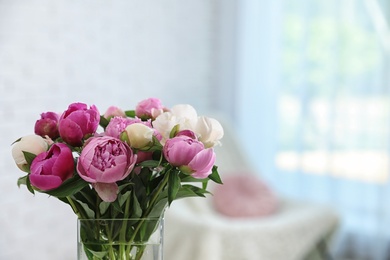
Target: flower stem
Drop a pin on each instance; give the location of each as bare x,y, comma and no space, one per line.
140,252
123,247
149,209
74,207
157,193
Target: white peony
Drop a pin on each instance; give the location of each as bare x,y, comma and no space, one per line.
209,131
139,135
34,144
183,115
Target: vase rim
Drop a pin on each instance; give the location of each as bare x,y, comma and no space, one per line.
111,219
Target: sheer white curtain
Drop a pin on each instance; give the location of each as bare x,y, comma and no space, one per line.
314,109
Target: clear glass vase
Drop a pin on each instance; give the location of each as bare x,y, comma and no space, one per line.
120,239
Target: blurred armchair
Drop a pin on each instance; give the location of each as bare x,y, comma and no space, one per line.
195,230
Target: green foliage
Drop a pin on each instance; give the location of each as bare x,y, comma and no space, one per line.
26,181
68,187
103,122
130,113
174,131
29,158
173,186
214,176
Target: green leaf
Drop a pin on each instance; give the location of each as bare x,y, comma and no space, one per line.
16,141
29,157
188,178
124,137
98,255
65,200
29,186
214,176
173,186
150,163
198,191
137,210
68,187
88,211
125,186
154,146
25,180
87,195
122,198
130,113
103,121
103,207
174,131
191,191
204,185
116,207
141,182
158,208
22,180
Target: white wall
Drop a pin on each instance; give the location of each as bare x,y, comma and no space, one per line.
105,53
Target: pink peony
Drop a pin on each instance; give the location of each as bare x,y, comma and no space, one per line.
78,122
190,156
50,169
187,133
149,108
113,111
47,125
104,161
118,124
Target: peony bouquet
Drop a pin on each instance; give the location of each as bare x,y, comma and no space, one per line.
119,165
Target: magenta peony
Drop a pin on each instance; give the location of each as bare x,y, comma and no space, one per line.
78,122
50,169
47,125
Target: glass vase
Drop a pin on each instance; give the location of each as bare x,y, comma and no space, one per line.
120,239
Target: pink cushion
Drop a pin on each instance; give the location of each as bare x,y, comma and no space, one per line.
244,195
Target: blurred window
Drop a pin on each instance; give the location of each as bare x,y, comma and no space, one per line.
333,100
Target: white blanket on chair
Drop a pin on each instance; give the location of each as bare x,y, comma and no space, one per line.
194,231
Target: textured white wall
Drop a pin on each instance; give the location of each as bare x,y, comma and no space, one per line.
53,53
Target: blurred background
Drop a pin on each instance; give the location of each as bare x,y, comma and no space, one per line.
305,85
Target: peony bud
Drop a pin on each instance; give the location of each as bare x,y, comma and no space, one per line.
139,135
114,111
34,144
77,122
47,125
50,169
149,108
190,156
